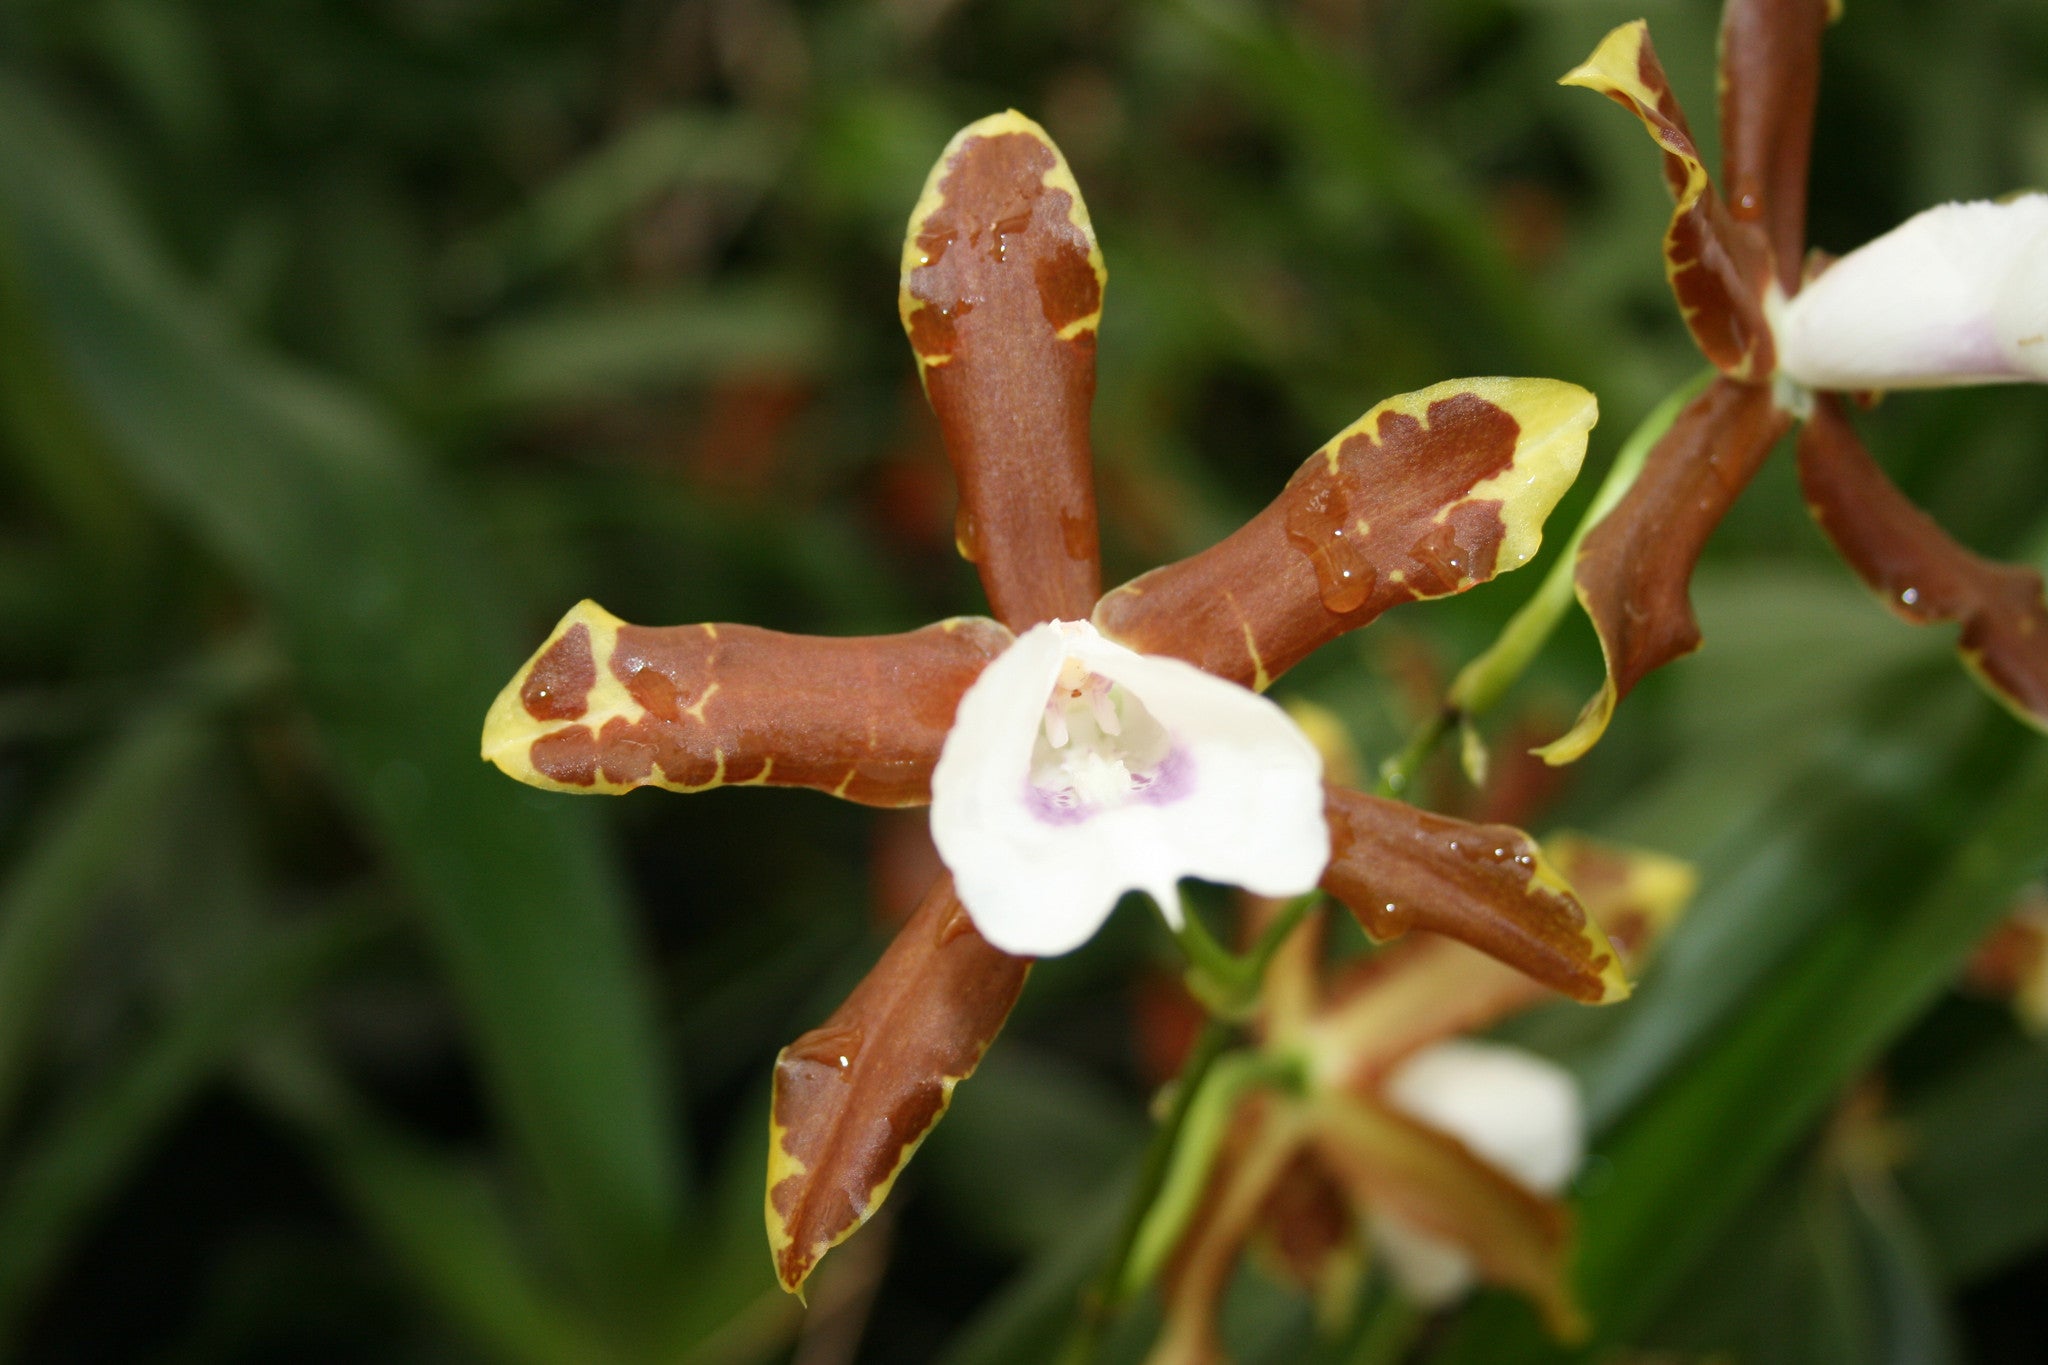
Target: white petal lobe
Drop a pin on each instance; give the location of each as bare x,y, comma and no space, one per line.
1078,770
1955,295
1514,1109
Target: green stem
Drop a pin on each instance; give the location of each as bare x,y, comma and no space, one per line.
1389,1332
1481,684
1227,985
1194,1153
1101,1301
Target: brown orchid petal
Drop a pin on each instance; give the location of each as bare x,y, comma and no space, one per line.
1426,495
1770,75
1001,294
603,706
1919,572
1311,1232
1634,568
1388,1005
1398,868
1265,1136
1427,1178
856,1095
1635,894
1718,268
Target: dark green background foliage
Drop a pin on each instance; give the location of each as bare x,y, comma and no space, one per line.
344,345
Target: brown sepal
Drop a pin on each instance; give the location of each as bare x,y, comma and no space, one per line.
606,707
1429,1179
1717,266
1407,503
855,1096
1635,567
1398,868
1311,1230
1770,76
1001,294
1919,572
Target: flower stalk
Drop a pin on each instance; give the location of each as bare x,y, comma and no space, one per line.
1211,1082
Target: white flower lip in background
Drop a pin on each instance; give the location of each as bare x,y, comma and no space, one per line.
1955,295
1077,770
1517,1110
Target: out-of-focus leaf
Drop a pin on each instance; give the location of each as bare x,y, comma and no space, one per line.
92,1142
48,900
605,350
595,196
440,1218
1903,1289
385,609
1027,1321
1975,1176
1765,819
1335,111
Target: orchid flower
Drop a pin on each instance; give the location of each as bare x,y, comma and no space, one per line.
1956,295
1444,1155
1078,745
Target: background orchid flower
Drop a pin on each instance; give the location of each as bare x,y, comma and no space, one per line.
1956,295
1428,494
1398,1134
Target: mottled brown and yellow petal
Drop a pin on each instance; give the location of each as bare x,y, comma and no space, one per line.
1635,568
1429,1179
1918,571
855,1096
1718,268
1426,495
1001,295
1770,76
1399,868
1635,894
604,706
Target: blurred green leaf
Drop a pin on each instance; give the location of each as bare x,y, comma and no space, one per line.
52,893
83,1152
588,204
1975,1174
442,1219
609,349
1676,1170
386,610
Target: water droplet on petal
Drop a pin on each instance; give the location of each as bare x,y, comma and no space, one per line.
1322,528
835,1047
966,535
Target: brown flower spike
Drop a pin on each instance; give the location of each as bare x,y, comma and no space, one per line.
1428,494
1737,267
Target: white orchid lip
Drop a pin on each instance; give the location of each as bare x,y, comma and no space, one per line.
1955,295
1514,1109
1078,770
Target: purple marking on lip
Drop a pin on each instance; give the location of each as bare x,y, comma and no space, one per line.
1173,779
